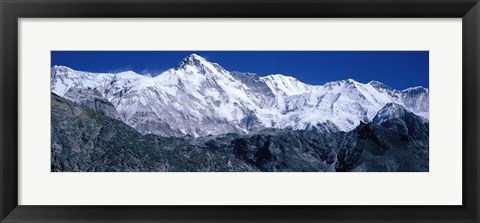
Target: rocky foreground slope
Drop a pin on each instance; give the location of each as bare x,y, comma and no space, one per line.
87,140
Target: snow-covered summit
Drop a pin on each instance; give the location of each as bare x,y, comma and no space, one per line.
379,85
195,63
191,60
389,111
60,69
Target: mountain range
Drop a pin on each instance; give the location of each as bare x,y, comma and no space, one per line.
199,98
199,117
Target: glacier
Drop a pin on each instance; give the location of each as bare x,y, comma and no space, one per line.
199,98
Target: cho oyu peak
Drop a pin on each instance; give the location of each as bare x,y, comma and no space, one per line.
199,98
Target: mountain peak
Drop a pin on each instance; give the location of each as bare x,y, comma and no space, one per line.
199,63
341,83
390,111
416,90
196,56
60,69
378,84
192,60
350,80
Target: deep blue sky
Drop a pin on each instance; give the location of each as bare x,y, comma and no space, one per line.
398,69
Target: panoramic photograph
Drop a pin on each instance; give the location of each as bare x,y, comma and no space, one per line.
239,111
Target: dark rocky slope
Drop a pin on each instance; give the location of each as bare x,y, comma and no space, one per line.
85,140
369,148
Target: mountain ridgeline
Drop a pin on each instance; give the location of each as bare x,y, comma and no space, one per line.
197,116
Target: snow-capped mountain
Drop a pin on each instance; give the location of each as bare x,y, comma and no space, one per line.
199,98
396,117
388,112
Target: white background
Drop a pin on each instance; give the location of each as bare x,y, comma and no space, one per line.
440,186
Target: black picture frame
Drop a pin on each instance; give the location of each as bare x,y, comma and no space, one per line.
12,10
